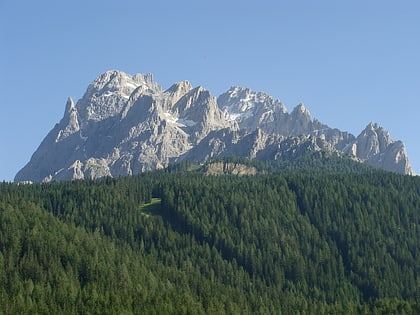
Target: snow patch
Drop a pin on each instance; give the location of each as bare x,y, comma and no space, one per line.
179,122
237,116
170,118
132,85
108,93
186,122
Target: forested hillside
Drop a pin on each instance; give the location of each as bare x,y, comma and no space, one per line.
185,243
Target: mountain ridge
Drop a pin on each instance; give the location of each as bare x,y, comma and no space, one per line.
126,124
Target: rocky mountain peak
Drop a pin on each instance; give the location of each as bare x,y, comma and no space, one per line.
300,122
177,91
199,111
180,87
106,96
126,124
375,146
240,103
69,124
301,109
70,106
251,110
372,140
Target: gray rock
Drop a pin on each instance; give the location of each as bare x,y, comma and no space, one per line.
127,124
375,147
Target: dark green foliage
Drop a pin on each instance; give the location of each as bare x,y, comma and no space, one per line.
170,242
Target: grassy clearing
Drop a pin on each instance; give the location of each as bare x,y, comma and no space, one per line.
151,208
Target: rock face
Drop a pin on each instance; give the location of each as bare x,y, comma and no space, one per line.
127,124
219,168
375,146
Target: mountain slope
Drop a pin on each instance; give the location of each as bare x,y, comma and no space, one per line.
127,124
189,243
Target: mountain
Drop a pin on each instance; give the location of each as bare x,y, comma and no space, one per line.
128,124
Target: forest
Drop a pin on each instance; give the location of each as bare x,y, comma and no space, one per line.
322,236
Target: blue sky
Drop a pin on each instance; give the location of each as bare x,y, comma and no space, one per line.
349,62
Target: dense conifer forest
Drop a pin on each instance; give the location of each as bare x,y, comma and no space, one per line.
321,236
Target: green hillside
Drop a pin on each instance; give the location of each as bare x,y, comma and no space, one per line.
290,242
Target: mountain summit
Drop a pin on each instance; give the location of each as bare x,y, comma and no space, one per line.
128,124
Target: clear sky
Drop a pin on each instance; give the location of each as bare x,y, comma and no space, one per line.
350,62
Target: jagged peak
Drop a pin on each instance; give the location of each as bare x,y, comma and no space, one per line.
114,73
375,128
150,127
177,91
242,104
301,111
110,75
70,105
375,146
198,98
247,94
200,89
198,92
184,86
147,77
115,80
235,90
301,108
372,125
110,92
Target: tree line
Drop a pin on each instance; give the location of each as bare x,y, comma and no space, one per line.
178,242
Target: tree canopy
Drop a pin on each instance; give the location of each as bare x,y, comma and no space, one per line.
178,242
